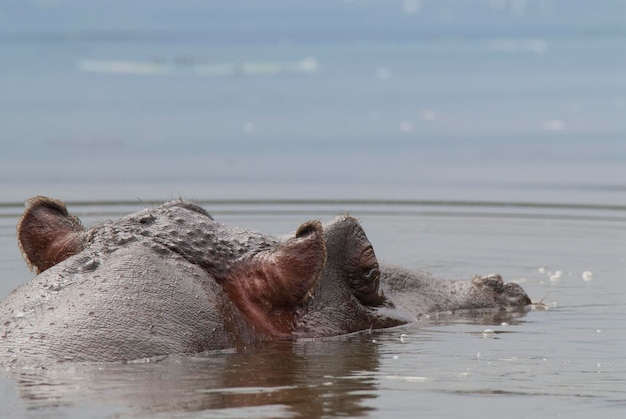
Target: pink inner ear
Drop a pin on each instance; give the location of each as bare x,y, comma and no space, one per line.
270,287
47,234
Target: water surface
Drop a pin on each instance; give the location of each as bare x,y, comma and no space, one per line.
468,137
566,360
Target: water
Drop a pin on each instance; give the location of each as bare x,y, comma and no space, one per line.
485,100
565,361
468,137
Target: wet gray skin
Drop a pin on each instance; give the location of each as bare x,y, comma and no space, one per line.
356,293
172,280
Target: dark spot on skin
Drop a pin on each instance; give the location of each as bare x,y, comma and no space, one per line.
159,249
147,219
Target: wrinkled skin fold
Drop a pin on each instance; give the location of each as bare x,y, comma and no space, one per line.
171,280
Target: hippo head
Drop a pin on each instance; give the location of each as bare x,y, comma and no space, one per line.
171,279
266,278
347,298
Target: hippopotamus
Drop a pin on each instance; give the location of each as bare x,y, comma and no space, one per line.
172,280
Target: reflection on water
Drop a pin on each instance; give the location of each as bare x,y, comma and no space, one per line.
312,378
306,379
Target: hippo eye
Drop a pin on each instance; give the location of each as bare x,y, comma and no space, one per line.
365,288
372,274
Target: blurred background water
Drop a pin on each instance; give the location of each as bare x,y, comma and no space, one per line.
491,100
468,136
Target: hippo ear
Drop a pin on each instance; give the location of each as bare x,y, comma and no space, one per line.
47,234
270,286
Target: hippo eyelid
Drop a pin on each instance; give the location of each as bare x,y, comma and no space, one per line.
372,274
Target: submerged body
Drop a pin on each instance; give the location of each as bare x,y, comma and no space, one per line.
172,280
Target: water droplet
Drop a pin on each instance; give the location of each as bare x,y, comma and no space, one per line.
89,266
413,379
556,276
489,333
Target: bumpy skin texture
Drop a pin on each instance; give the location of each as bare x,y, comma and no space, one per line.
419,295
172,280
161,281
